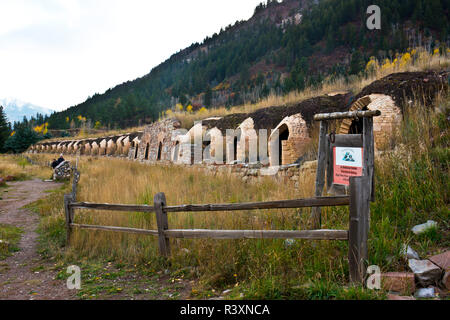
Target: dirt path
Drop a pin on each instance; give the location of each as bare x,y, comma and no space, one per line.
21,275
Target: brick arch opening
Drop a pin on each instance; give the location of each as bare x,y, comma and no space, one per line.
159,151
176,151
147,149
283,137
349,126
136,149
384,126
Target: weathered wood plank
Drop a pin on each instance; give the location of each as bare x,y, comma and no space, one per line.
282,204
163,224
316,214
358,227
116,229
69,217
369,154
113,207
258,234
346,115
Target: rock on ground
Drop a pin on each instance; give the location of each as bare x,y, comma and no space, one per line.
427,273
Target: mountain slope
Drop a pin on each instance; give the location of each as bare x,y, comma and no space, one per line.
283,47
16,109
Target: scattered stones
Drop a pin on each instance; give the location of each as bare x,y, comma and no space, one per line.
226,292
421,228
442,260
425,293
426,272
409,253
402,282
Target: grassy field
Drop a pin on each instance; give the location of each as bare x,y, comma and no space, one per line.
412,187
19,168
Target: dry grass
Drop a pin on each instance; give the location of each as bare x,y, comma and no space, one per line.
19,168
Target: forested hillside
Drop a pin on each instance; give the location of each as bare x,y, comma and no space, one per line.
283,47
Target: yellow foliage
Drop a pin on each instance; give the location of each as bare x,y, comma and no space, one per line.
405,59
39,129
436,51
189,108
67,119
179,107
13,133
202,110
371,65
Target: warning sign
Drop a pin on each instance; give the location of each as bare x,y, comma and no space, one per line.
348,162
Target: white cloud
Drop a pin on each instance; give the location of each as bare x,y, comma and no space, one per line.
56,53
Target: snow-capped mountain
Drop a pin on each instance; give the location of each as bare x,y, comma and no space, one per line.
15,109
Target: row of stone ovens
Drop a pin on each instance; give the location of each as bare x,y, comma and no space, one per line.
275,135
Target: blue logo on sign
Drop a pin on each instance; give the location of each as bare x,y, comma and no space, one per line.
348,157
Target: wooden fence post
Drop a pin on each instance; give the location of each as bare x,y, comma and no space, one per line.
163,224
76,179
320,177
69,216
360,189
369,154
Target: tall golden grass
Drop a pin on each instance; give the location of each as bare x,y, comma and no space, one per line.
19,168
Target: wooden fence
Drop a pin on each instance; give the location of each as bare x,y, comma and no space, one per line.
358,201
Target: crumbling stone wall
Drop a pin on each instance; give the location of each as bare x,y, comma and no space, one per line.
157,143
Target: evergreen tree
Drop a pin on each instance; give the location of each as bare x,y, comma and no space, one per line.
207,101
23,138
5,129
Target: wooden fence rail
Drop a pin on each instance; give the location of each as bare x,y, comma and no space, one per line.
358,201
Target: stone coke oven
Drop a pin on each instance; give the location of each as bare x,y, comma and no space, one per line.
135,140
392,95
291,139
111,145
220,135
157,141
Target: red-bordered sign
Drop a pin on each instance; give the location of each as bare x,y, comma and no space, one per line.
347,162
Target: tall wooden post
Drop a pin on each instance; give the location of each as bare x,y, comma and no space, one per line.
320,177
163,224
69,216
369,153
359,227
76,179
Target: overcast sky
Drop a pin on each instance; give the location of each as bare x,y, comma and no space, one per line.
56,53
